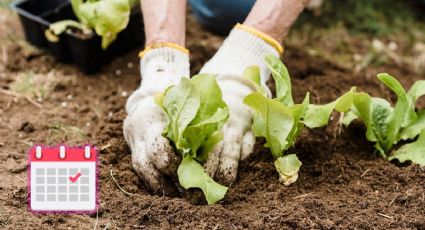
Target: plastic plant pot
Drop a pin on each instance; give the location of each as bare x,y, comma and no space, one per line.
83,50
88,54
60,49
30,14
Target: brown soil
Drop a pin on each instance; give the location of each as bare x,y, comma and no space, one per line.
342,184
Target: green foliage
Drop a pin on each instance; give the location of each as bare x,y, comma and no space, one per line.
414,152
280,120
387,125
288,166
5,3
365,16
106,17
195,114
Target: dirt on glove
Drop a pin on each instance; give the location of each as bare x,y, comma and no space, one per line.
342,184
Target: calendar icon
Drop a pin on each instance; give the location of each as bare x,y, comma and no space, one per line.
62,179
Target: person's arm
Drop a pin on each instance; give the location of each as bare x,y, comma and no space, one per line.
275,17
164,21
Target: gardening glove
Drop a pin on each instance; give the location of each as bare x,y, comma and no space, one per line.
153,157
244,47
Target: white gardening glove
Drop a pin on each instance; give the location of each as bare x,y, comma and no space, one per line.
152,155
244,47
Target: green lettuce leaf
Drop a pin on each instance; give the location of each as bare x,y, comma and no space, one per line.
403,113
211,114
414,129
414,152
195,113
209,145
181,104
318,115
288,166
349,117
192,175
272,120
282,80
107,17
298,112
75,4
416,91
252,73
387,125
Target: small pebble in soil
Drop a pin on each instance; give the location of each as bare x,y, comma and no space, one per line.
88,124
64,104
118,72
69,97
124,94
110,114
392,46
363,204
357,57
378,45
130,65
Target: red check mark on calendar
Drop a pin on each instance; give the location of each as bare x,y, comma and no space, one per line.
74,178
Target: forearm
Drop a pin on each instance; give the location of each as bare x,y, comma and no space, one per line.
275,17
164,21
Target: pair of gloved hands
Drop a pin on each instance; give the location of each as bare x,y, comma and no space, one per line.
164,65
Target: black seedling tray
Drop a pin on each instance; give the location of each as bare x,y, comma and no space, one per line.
85,52
30,15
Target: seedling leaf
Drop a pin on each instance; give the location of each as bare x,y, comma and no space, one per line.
288,167
282,80
414,129
192,175
195,113
273,120
318,115
414,152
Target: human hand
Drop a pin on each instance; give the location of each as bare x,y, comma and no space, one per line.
152,155
243,48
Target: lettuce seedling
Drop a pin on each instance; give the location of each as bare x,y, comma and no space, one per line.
106,17
195,113
280,120
387,125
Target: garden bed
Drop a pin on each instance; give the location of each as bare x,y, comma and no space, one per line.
342,183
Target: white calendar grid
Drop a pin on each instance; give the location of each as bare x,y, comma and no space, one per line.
52,189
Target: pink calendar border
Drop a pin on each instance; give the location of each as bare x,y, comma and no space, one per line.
97,162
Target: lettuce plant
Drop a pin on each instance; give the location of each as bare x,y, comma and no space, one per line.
106,17
280,120
195,113
387,125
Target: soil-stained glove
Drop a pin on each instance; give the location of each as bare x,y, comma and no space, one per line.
152,156
244,47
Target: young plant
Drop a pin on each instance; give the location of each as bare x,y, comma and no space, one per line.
106,17
280,120
195,114
387,125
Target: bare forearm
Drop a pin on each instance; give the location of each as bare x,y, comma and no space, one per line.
165,21
275,17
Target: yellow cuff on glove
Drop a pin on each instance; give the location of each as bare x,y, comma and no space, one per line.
271,41
163,44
